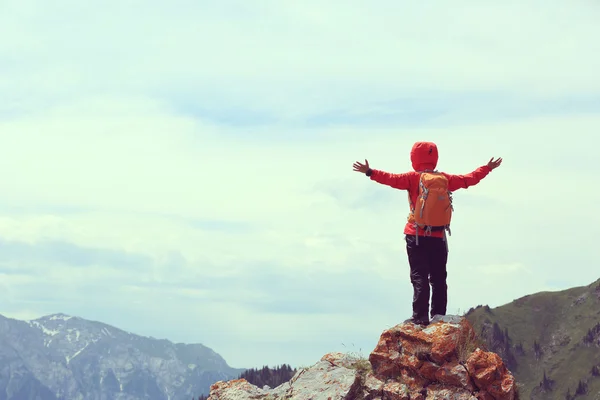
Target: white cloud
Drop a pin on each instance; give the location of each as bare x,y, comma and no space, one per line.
185,170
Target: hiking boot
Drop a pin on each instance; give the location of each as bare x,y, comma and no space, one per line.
417,321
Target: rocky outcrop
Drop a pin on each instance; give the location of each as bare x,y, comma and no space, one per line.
440,361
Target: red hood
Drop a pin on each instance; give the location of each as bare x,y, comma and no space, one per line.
424,155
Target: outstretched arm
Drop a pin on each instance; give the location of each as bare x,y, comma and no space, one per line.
456,182
397,181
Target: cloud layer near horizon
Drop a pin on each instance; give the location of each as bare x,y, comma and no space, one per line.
184,171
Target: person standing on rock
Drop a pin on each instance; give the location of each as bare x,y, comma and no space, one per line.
430,201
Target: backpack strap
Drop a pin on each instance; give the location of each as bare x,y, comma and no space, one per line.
416,234
446,241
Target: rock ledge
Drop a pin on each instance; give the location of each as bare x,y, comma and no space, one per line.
441,361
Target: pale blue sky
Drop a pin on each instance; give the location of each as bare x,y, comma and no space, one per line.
184,169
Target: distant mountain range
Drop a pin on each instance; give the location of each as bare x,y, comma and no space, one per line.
60,357
549,340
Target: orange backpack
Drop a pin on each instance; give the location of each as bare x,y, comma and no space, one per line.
433,210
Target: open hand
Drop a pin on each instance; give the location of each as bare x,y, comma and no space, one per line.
362,168
494,164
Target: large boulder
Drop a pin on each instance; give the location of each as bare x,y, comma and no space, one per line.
443,359
336,376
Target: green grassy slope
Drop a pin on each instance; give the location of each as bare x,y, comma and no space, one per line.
556,334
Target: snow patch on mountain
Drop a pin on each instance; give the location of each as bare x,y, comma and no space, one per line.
49,332
60,317
78,352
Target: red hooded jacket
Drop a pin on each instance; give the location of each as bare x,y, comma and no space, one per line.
424,156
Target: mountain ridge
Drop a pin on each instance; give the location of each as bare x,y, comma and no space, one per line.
549,339
59,356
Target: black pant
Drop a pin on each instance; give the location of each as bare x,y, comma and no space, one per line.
428,266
